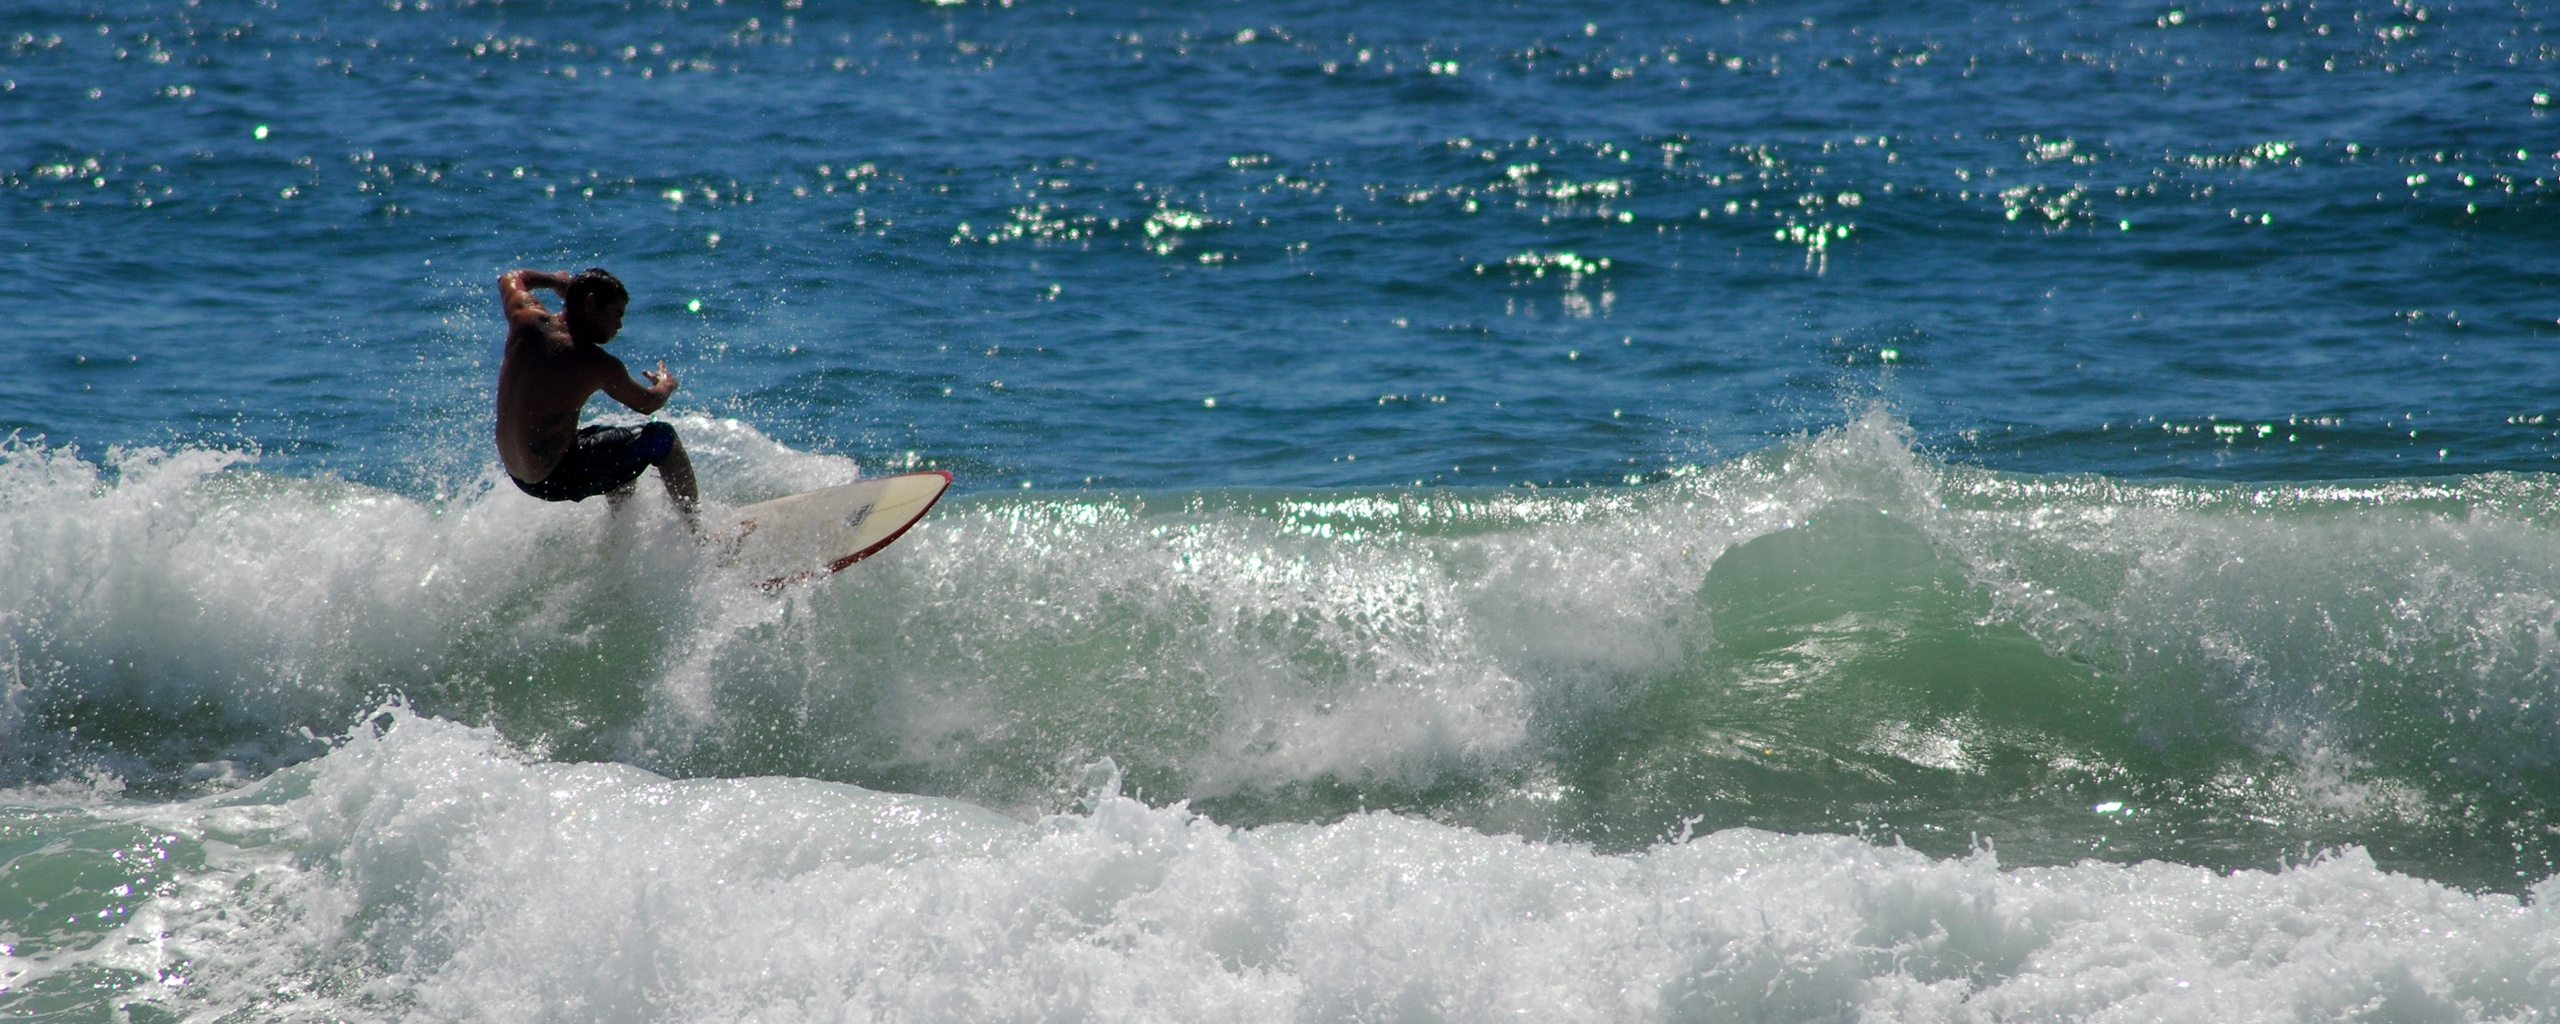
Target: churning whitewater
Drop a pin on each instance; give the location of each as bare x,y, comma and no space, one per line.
1831,728
1818,511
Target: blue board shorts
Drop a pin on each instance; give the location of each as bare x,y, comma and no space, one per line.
603,459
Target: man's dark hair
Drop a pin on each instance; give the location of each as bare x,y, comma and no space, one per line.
595,281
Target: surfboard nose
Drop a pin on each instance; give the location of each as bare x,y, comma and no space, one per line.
822,531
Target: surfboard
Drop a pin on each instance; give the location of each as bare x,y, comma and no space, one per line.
814,533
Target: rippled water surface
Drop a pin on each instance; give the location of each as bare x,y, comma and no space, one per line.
1699,510
1308,244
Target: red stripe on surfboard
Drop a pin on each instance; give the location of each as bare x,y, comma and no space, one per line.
839,564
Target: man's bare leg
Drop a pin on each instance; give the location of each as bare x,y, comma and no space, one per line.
676,472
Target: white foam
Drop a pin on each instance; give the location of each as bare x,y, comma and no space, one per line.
1224,643
429,875
2336,625
738,464
187,587
1400,638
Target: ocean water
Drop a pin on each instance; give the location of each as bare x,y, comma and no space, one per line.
1689,511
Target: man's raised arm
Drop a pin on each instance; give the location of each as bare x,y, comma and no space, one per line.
515,293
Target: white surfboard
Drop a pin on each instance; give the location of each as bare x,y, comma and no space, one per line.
817,532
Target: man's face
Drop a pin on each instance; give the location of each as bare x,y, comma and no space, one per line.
597,319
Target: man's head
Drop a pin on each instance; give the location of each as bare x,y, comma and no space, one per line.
594,304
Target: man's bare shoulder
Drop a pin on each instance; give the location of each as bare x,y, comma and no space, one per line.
552,361
544,341
595,363
533,334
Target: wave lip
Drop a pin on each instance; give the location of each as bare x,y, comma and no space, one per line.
1835,634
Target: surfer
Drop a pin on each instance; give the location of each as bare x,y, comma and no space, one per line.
553,365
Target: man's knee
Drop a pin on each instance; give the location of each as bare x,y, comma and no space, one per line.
662,442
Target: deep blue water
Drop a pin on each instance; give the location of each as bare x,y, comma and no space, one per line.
1441,239
1690,510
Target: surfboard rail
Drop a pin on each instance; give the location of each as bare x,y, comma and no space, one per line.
819,532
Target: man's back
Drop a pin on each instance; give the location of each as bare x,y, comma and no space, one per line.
552,366
546,379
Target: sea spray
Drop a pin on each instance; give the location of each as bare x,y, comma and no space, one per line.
1834,634
425,871
1407,446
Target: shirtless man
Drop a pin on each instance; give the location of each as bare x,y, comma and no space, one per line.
553,365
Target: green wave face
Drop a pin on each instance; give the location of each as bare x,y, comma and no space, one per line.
1837,634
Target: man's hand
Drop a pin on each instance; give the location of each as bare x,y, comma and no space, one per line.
618,382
